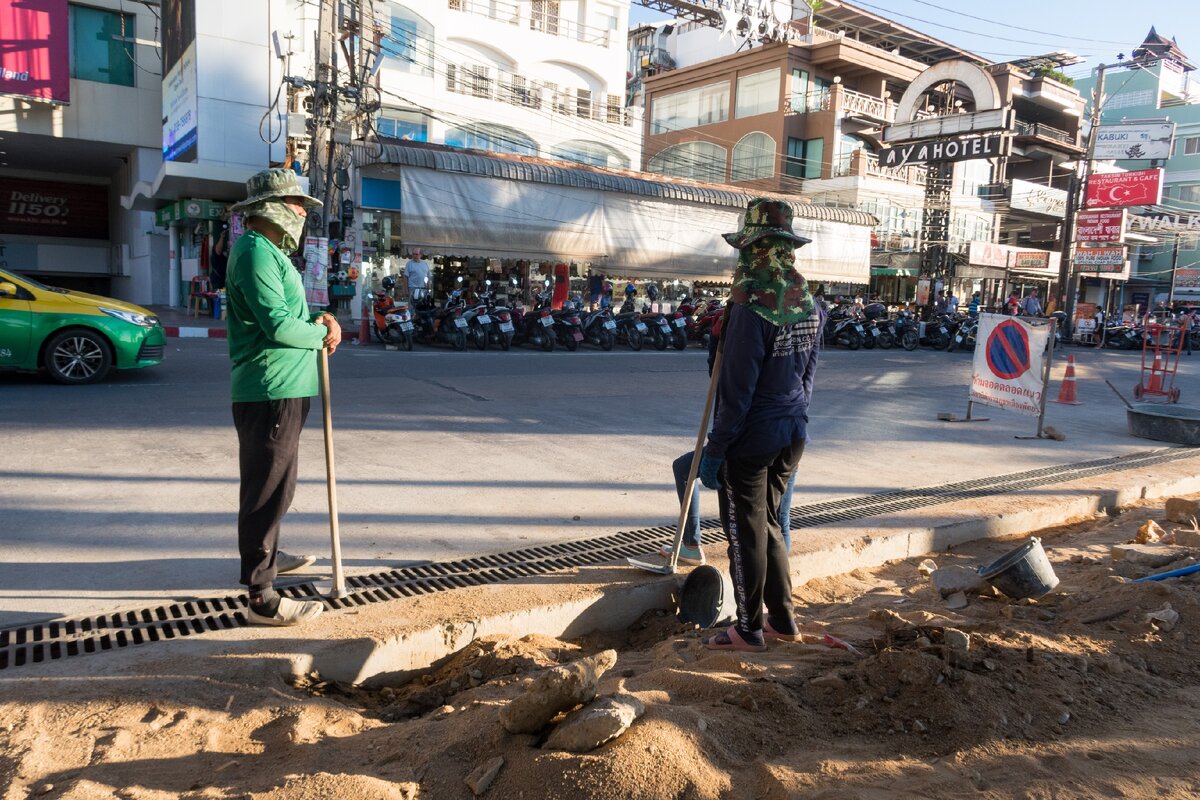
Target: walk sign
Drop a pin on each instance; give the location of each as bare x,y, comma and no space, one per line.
1009,369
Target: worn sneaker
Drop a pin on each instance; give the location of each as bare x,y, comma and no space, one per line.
290,612
286,562
687,555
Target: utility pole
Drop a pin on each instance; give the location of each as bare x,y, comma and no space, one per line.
324,114
1066,274
1174,267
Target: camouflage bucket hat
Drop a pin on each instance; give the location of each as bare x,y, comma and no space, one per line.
765,217
271,184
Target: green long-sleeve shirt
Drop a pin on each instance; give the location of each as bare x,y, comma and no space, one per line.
272,338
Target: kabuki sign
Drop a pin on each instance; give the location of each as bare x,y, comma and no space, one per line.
1008,367
1142,187
1100,226
945,150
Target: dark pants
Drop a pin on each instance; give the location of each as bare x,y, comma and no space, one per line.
752,488
268,450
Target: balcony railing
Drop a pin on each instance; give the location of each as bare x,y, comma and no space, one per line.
860,163
820,35
489,83
1044,132
852,103
542,17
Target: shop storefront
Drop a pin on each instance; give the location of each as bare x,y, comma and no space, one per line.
508,219
194,227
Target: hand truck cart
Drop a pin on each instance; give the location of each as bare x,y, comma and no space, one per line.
1164,341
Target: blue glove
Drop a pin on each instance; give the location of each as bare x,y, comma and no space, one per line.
710,470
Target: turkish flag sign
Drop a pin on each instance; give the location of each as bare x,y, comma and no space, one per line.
1141,187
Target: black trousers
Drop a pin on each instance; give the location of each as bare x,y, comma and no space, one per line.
268,450
752,487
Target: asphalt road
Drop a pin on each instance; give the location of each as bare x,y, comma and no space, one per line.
125,492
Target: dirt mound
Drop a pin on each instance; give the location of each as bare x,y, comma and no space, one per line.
1084,693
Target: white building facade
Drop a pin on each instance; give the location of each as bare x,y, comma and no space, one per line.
535,77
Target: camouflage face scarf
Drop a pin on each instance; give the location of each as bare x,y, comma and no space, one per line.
284,216
766,282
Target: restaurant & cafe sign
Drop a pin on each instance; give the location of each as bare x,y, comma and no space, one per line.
1100,226
1141,187
1099,259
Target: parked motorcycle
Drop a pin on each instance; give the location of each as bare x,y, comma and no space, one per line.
964,335
445,325
568,325
907,331
535,326
630,328
661,332
393,320
599,328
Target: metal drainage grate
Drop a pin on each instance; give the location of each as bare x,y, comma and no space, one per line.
47,641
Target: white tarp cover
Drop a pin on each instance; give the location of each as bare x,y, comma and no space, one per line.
621,234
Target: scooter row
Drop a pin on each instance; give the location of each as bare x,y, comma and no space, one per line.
484,323
871,327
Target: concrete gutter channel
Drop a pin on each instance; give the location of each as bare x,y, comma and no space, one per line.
385,643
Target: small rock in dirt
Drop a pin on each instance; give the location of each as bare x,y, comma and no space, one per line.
1064,718
989,665
927,567
957,601
1149,533
919,727
1181,509
890,619
556,690
596,723
953,579
1186,537
830,680
1147,555
1165,618
923,641
483,775
957,640
45,788
702,725
477,674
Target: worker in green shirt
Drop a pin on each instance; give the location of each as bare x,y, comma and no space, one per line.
273,342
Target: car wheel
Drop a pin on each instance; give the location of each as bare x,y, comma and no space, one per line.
77,356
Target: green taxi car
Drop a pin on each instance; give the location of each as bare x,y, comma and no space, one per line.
77,338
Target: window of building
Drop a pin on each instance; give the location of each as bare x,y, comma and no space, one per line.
753,157
703,105
1188,193
804,158
698,161
408,125
102,45
758,93
583,151
799,90
1191,145
496,138
408,41
544,16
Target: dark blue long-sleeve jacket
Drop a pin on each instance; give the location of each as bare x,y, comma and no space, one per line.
765,385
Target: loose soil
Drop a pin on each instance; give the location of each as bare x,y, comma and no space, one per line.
1076,695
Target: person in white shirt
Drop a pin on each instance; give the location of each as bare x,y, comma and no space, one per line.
1031,306
416,271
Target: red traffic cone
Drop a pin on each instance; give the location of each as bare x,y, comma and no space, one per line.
1066,392
1156,371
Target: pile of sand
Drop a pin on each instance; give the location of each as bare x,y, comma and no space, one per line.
1075,695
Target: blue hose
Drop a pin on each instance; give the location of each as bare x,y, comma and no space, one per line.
1175,573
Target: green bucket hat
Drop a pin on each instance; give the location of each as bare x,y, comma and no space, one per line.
271,184
765,217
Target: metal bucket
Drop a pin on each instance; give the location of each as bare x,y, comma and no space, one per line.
706,597
1165,423
1024,572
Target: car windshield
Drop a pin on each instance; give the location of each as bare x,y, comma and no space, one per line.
13,276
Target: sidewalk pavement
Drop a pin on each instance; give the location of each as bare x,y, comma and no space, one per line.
178,323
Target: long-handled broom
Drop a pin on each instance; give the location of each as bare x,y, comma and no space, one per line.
336,586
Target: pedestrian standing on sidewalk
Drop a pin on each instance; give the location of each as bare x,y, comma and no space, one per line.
273,342
973,306
416,272
771,342
1031,306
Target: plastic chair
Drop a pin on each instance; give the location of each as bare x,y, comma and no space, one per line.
200,292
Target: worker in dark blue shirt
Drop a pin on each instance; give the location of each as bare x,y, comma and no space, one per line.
771,344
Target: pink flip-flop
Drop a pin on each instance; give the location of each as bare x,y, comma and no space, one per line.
730,639
770,634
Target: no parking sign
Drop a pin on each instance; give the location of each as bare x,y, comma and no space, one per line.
1009,369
